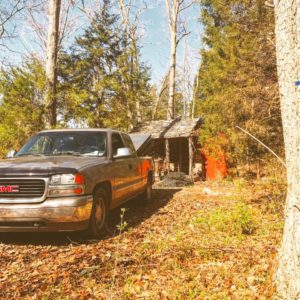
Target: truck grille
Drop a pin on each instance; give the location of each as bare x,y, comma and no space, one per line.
23,188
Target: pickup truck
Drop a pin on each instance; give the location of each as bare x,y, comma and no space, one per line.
69,179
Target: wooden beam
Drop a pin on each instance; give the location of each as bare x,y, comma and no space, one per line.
191,156
180,154
167,154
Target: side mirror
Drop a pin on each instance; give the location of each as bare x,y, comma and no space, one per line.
123,152
11,153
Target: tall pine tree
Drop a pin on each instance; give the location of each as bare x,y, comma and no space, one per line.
97,86
237,82
22,109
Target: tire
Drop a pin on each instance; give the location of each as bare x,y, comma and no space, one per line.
147,195
99,214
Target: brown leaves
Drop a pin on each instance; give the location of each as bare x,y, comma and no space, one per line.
166,253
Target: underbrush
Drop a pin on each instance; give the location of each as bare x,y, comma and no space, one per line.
224,251
238,220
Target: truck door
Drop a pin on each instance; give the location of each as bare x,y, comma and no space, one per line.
122,172
137,180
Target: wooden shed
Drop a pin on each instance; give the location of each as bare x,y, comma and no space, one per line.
171,143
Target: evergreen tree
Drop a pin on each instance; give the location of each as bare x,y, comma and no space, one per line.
237,83
21,106
97,86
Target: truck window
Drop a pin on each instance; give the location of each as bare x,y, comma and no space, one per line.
117,142
66,143
41,146
128,143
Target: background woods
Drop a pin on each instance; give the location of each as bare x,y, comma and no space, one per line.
103,79
85,63
99,84
237,80
99,81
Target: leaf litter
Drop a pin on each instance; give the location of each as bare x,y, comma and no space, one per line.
186,244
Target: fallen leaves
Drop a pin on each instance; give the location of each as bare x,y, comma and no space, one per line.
163,254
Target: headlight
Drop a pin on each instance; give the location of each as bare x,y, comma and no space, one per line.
66,185
67,179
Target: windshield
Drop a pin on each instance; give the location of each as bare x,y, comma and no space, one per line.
66,143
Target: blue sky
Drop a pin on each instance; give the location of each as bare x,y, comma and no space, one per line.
156,44
154,39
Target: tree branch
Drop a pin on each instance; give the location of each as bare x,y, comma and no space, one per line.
182,36
14,10
259,141
170,17
187,6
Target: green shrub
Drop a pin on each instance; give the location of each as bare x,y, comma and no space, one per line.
240,219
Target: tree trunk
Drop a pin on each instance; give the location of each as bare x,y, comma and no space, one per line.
258,170
51,74
191,156
136,73
158,96
173,9
287,29
155,106
131,28
172,78
194,96
167,158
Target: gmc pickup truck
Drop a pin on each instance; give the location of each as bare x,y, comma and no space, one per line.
68,180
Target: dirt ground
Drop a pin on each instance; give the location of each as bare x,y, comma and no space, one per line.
195,242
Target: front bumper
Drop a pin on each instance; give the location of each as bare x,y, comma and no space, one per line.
53,214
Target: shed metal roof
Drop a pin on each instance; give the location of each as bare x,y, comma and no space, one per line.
178,127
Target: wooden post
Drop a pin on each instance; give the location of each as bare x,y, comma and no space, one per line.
167,154
191,156
180,154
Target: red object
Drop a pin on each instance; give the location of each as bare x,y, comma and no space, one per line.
9,189
145,167
215,164
78,191
79,179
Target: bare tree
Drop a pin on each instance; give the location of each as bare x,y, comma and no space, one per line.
163,87
131,20
52,49
185,79
69,22
8,10
27,22
177,32
287,31
195,89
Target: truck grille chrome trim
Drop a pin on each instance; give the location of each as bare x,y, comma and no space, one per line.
25,189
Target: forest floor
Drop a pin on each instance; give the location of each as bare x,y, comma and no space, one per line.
208,241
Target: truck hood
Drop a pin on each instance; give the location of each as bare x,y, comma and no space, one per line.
46,165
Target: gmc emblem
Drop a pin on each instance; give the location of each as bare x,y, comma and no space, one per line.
9,189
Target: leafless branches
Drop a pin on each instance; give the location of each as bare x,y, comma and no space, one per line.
37,20
131,16
163,87
8,10
177,32
173,9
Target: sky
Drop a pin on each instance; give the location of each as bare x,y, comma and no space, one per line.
156,44
153,32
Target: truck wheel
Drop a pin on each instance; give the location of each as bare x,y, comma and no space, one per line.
147,195
99,213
